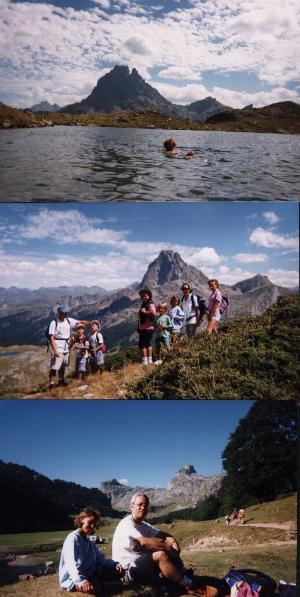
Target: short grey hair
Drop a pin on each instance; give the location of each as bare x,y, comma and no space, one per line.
133,498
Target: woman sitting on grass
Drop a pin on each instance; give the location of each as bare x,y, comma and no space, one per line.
82,567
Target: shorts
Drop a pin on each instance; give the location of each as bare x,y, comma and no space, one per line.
57,363
80,365
216,317
145,338
97,358
162,341
144,569
190,329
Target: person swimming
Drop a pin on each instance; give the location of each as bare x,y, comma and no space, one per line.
171,149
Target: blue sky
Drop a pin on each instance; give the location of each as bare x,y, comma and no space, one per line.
239,52
112,244
140,443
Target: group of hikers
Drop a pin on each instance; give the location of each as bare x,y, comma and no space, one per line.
141,554
237,516
159,324
163,325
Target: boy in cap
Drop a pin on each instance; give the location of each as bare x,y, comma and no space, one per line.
95,340
59,333
80,345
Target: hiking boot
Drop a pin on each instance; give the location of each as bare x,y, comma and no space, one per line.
62,383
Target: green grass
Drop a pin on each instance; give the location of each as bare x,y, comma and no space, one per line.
251,358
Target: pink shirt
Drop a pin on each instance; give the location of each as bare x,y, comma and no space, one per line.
215,296
149,323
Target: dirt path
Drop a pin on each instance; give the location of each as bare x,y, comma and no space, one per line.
287,526
110,385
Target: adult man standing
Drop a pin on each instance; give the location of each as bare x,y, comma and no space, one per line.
190,307
59,333
144,551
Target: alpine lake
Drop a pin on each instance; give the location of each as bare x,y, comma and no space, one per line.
83,163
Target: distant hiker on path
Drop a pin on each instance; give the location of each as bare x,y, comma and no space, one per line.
147,313
235,516
82,567
96,342
213,310
162,331
241,515
144,551
190,307
170,149
177,317
228,519
59,333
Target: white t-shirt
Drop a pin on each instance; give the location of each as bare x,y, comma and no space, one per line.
188,309
61,330
123,545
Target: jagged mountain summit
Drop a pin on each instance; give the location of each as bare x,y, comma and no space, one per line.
169,268
122,90
185,489
118,90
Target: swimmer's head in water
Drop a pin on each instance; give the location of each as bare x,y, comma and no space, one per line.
169,144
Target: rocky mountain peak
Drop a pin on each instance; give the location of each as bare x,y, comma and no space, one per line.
187,469
170,268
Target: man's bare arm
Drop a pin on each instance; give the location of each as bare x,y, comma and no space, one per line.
154,544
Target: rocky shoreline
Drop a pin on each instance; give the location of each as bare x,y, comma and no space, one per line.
259,120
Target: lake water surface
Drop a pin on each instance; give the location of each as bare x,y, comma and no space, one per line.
112,164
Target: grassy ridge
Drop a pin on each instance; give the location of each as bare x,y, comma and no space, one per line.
251,358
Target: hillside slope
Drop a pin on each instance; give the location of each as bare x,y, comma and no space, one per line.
251,358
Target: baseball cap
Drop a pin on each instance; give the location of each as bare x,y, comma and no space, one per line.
63,308
96,321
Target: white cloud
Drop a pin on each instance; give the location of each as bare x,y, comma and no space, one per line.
232,276
123,481
136,45
271,217
282,277
250,257
180,72
271,240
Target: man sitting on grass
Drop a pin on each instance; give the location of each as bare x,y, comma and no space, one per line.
145,553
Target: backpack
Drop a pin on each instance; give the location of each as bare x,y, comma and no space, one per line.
48,335
104,345
201,304
223,304
259,581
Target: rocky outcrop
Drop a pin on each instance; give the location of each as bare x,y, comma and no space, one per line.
185,489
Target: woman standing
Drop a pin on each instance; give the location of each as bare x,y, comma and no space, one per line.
213,310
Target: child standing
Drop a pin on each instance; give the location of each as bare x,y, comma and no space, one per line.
162,328
80,345
177,317
96,343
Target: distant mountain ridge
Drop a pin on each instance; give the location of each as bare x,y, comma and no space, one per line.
44,107
185,489
122,90
24,323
